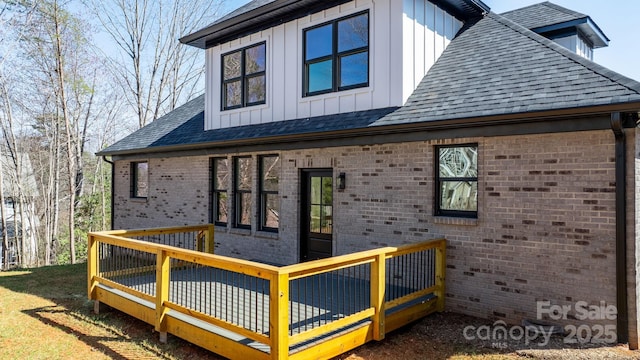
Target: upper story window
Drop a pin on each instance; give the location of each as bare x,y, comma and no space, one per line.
336,55
244,81
139,179
457,181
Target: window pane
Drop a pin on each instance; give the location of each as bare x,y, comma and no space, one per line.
256,89
221,169
221,199
243,174
459,161
354,69
232,63
319,42
327,191
244,209
272,211
316,190
314,221
233,94
327,220
270,173
320,76
353,33
142,179
459,196
255,59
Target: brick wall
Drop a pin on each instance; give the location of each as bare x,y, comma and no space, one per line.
545,227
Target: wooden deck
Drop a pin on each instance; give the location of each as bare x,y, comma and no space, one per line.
245,309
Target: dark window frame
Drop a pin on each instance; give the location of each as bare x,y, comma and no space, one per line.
134,180
243,78
237,194
335,57
264,193
438,211
215,191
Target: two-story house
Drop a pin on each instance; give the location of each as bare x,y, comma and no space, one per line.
329,127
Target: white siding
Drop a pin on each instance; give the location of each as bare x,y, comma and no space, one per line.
427,31
403,46
576,44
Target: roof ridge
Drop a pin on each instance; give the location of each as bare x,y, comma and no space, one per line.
564,9
522,8
596,68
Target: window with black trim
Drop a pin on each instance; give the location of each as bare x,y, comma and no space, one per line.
242,191
336,55
219,194
244,80
457,180
139,179
269,199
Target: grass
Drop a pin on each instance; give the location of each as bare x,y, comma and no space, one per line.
45,314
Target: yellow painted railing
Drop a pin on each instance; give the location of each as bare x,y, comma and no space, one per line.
244,309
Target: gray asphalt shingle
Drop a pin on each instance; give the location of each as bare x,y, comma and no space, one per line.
543,14
498,67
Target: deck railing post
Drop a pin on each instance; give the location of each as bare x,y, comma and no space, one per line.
441,264
92,267
209,244
279,316
162,293
378,283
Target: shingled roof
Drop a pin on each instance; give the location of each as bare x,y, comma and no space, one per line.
499,67
542,14
184,128
493,67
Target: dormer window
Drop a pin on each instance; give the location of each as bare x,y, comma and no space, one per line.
336,55
244,77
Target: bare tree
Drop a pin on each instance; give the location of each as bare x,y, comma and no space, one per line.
157,73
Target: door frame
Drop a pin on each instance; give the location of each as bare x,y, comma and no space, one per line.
305,199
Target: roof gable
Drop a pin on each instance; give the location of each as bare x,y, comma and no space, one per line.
498,67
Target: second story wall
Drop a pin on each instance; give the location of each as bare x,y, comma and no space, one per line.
426,31
405,38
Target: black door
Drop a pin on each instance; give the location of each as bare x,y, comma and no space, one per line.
317,214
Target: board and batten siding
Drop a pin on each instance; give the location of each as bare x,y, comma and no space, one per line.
405,41
576,44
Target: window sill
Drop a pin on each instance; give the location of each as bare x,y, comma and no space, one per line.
448,220
239,231
267,235
220,228
140,200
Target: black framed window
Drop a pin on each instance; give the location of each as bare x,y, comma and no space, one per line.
269,199
139,179
219,193
242,167
457,180
244,79
336,55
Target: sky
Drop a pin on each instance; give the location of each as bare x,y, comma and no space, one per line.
616,18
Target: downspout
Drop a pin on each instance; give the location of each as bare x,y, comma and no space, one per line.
113,168
621,228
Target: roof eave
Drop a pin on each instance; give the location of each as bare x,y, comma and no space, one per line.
587,26
490,120
283,10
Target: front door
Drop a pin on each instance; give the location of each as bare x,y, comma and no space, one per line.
317,214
